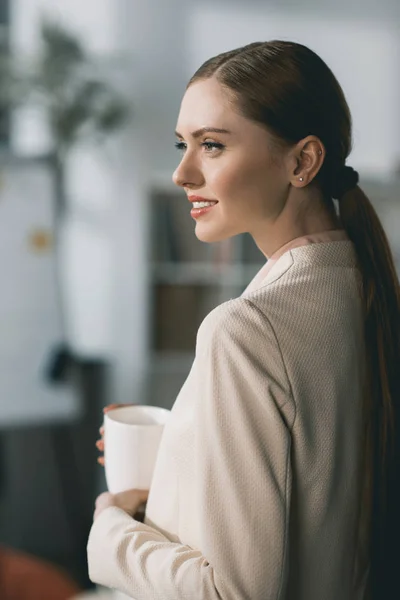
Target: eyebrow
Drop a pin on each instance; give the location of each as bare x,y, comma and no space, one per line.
199,132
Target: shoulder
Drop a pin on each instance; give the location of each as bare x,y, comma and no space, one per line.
232,315
238,339
237,322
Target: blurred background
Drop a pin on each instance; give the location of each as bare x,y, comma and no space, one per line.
104,282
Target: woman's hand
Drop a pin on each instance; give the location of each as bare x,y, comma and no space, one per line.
129,501
100,442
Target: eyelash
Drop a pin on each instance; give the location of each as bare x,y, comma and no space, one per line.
181,145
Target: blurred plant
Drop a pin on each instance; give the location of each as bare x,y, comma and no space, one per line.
79,102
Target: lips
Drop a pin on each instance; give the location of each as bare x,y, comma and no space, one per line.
196,213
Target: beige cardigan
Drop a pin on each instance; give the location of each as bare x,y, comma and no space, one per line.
256,487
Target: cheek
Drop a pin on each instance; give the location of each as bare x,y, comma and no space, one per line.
229,176
251,183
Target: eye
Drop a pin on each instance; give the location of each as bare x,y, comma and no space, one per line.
211,145
208,145
179,145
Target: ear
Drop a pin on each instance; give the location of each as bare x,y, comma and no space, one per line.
307,157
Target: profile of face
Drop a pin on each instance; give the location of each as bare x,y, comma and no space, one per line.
242,170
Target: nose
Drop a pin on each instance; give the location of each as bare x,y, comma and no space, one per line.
177,179
187,174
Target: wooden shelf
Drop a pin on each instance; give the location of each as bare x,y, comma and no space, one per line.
188,278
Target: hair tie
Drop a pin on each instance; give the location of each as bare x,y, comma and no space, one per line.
346,180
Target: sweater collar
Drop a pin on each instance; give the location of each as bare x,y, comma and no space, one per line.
284,257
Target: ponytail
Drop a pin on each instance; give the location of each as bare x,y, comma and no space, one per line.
381,300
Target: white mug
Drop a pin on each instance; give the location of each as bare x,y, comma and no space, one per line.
132,435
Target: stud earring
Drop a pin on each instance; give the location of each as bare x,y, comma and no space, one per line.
301,179
320,152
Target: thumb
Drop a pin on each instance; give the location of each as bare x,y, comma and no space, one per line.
143,495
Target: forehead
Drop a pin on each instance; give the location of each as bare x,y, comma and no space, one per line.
205,103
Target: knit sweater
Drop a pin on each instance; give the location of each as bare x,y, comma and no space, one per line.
256,488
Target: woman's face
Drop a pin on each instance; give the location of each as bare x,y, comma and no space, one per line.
239,169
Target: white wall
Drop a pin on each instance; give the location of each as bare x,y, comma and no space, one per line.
31,324
371,9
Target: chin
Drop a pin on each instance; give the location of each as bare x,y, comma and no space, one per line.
210,235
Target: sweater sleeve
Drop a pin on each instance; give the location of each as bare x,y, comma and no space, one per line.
244,415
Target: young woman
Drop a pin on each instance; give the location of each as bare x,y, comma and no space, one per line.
276,476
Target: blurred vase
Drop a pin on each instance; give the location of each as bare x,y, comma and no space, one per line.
85,253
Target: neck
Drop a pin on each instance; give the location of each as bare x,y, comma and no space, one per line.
299,217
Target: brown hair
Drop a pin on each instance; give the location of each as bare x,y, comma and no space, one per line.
291,91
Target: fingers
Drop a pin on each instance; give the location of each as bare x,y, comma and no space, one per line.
100,443
102,498
100,447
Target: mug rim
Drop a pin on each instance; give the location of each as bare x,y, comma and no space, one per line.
149,407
